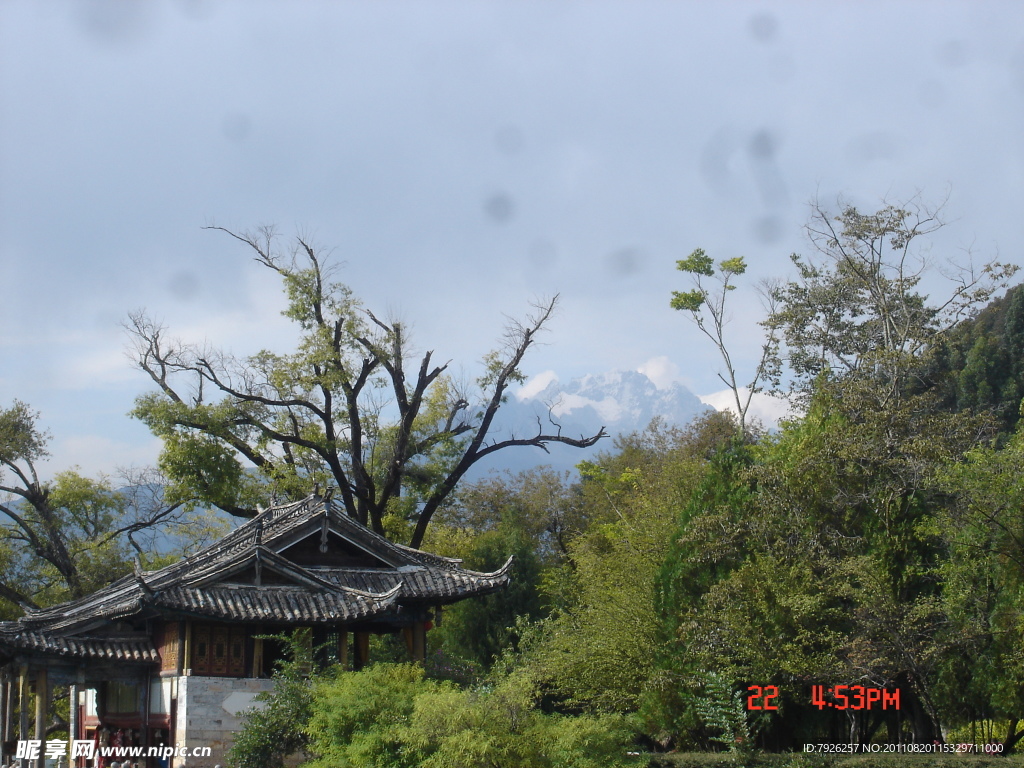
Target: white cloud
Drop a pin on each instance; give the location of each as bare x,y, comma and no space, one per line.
662,371
535,385
767,408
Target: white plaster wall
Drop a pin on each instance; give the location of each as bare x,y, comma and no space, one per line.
161,691
209,713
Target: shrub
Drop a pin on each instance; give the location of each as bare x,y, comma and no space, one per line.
277,730
391,716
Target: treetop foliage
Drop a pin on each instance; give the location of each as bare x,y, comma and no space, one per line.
21,440
856,306
707,309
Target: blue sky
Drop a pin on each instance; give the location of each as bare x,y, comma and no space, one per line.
460,159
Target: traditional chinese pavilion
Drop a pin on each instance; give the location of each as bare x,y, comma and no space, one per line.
174,656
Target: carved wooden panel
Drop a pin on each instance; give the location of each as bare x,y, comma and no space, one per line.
218,650
170,647
200,649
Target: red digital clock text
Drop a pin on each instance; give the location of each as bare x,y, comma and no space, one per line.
761,693
854,697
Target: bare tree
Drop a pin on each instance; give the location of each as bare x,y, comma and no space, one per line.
352,408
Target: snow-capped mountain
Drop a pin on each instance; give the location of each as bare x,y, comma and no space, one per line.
619,401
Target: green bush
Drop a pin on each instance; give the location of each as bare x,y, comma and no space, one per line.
359,717
391,716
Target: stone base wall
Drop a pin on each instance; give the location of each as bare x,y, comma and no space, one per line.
210,713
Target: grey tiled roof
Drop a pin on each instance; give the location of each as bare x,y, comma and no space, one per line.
93,648
272,604
225,582
427,584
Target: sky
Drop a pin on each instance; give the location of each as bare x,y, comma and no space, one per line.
460,160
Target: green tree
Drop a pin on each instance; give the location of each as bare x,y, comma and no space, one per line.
597,650
350,408
983,576
530,516
856,307
818,556
808,559
983,359
477,630
543,504
65,537
707,544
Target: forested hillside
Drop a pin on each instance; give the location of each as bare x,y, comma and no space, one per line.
985,360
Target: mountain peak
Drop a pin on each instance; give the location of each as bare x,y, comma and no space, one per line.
621,401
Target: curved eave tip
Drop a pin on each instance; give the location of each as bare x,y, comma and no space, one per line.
386,598
498,574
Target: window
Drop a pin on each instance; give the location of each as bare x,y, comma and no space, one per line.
122,698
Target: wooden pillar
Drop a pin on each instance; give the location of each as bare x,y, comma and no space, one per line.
5,707
343,649
257,657
7,725
73,724
24,695
419,642
147,699
362,650
42,704
42,699
186,663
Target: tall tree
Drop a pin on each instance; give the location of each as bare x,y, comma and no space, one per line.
350,408
983,574
596,649
706,303
856,306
